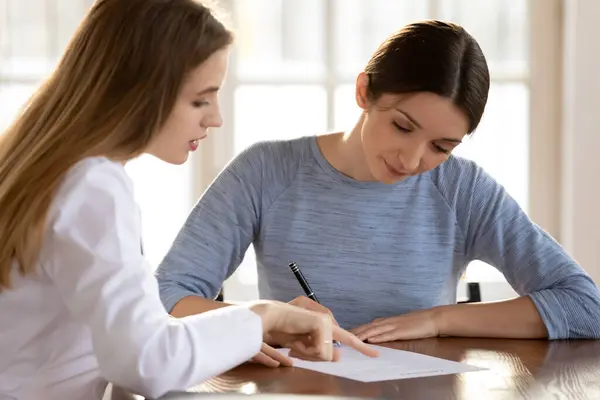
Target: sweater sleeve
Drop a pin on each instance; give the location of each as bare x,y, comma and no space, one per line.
498,232
225,221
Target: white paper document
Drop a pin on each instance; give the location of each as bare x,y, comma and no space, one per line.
390,365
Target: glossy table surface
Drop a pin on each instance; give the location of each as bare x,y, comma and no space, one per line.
515,369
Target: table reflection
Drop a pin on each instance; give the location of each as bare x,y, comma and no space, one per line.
514,369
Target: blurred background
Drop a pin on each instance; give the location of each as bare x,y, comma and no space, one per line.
292,74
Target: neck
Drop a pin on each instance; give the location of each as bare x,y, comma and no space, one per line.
344,151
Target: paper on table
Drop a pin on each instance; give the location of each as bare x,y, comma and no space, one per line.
390,365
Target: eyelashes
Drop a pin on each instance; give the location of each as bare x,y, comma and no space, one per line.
440,149
199,103
400,127
436,148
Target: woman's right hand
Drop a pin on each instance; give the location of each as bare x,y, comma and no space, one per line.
308,334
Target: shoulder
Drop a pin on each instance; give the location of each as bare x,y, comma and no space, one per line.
286,154
459,178
92,183
270,164
457,169
95,172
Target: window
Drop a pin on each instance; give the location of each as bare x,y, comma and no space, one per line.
33,35
164,194
294,68
502,31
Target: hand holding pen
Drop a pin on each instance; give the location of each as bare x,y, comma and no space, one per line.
312,303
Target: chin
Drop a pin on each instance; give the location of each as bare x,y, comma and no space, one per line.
388,180
392,180
175,160
181,161
382,175
172,158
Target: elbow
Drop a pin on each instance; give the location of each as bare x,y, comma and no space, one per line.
153,389
571,311
171,291
162,359
145,367
147,389
126,371
584,314
587,325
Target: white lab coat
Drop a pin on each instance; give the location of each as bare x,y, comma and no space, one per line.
92,312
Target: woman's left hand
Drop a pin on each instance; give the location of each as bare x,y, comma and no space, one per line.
415,325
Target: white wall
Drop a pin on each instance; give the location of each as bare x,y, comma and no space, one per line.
580,148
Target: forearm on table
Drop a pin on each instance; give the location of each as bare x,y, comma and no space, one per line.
191,305
516,318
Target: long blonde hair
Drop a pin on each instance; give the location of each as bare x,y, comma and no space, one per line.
113,89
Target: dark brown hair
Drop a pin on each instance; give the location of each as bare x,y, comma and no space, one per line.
112,91
432,56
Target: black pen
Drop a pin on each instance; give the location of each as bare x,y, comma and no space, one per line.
306,287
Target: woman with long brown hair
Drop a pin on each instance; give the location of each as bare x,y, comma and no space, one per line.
79,305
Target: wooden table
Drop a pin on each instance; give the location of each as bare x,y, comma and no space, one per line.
516,369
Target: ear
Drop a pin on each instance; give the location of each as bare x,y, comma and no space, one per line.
362,82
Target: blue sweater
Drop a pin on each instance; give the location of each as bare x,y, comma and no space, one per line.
368,249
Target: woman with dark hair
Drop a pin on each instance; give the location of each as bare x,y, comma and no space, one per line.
383,219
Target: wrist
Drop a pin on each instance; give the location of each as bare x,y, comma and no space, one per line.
264,310
440,320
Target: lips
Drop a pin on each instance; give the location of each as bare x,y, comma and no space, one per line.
394,171
194,143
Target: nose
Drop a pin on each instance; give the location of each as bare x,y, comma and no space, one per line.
411,157
213,119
